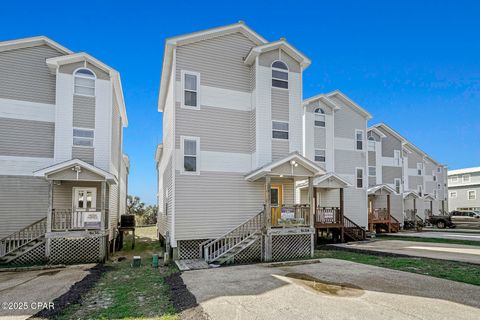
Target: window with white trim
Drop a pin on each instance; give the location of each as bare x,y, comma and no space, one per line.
396,157
420,190
466,178
320,155
83,137
319,118
419,168
190,151
434,175
84,82
439,169
454,178
472,195
279,75
280,130
398,185
190,88
452,194
359,177
358,140
372,171
371,144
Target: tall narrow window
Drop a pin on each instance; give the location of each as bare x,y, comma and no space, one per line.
472,194
372,171
359,177
434,175
320,155
371,144
319,118
280,130
396,157
191,146
420,190
190,86
84,82
358,139
279,75
419,168
398,185
435,193
83,137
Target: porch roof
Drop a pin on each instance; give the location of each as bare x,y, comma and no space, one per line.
379,189
412,194
77,165
327,181
293,165
428,197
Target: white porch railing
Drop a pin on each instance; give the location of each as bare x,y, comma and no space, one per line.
23,236
68,219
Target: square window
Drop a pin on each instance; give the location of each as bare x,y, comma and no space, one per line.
372,171
280,130
320,155
83,137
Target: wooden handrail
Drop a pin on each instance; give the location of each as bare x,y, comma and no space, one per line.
328,215
223,244
353,229
23,236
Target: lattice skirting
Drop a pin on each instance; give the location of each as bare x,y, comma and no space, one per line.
34,256
189,249
77,250
251,254
291,247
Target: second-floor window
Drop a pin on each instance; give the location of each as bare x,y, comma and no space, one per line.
419,168
372,171
398,185
190,150
359,177
434,175
358,140
279,75
190,87
472,195
466,178
83,137
396,157
84,82
280,130
319,118
320,155
371,144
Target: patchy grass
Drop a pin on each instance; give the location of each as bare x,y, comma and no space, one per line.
431,240
456,271
126,292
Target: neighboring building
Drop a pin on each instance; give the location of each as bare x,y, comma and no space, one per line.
413,183
464,189
231,168
63,174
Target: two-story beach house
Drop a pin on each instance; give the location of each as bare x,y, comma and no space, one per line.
239,178
405,184
63,174
464,189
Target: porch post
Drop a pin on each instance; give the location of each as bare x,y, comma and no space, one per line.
268,202
388,211
103,204
342,233
310,200
48,242
431,207
415,213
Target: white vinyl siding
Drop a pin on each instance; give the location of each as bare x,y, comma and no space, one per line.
453,194
359,178
466,178
471,195
396,157
358,140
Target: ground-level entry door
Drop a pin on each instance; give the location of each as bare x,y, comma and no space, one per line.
276,196
84,199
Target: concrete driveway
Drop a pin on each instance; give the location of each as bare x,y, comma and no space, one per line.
24,293
331,289
444,251
439,235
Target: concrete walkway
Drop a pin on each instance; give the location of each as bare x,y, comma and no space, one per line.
24,293
443,251
331,289
471,236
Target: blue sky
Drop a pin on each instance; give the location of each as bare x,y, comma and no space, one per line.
413,64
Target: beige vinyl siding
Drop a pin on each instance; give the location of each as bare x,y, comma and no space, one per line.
414,182
83,112
372,160
219,129
347,121
219,61
280,149
116,135
26,138
328,198
113,213
374,135
346,161
319,138
25,75
63,193
372,181
84,153
23,200
280,104
461,201
396,205
69,174
413,159
267,58
167,189
71,67
199,216
389,144
390,173
253,131
355,205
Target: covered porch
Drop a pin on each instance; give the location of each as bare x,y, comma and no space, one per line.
379,209
410,213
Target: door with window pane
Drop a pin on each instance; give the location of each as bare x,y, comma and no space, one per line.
84,199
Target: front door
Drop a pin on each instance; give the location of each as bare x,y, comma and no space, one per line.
84,199
276,198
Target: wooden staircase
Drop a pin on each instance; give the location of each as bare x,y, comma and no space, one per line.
224,248
352,230
22,241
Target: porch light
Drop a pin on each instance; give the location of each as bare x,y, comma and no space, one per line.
293,162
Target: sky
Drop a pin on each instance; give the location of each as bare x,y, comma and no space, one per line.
414,65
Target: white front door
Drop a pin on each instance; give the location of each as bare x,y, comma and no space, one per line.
84,199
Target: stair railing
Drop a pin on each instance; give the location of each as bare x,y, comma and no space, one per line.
395,223
214,249
23,236
353,229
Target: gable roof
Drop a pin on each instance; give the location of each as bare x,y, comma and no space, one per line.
32,42
173,42
279,44
465,170
329,178
294,156
350,103
378,132
72,163
410,193
54,63
323,98
381,187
